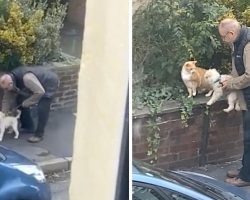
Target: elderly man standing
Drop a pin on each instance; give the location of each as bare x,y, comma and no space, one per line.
28,87
238,37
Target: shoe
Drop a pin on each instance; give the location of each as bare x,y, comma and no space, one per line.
233,173
237,182
35,139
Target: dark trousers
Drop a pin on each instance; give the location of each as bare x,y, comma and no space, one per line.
43,109
245,170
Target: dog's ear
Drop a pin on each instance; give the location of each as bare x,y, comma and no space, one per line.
213,70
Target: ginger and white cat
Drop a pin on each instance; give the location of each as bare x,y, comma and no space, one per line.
193,78
215,79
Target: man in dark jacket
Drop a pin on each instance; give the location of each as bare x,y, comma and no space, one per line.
238,37
26,87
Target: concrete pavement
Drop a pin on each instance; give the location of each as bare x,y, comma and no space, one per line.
59,184
59,190
219,171
54,153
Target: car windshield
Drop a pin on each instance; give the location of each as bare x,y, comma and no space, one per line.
139,167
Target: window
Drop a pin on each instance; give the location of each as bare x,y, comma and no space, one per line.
144,193
174,195
179,197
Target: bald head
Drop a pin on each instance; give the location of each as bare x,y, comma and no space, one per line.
230,24
6,82
229,29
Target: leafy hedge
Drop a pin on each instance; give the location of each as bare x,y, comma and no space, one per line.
168,33
29,32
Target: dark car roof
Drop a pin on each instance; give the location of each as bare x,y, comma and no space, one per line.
145,173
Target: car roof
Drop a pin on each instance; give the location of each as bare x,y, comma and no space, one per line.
146,174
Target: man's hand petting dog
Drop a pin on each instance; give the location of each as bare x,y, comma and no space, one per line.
224,84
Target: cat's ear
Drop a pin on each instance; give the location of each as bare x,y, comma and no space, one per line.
195,61
186,64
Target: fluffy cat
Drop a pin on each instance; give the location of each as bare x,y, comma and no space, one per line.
214,78
193,78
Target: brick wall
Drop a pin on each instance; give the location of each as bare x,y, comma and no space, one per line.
182,147
76,12
66,96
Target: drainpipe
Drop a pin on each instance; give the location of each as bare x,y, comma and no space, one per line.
204,137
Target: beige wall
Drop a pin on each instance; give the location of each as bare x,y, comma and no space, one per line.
103,81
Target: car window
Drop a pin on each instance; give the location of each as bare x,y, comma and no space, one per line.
144,193
179,197
173,195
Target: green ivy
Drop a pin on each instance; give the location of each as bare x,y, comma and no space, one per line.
186,108
153,139
153,99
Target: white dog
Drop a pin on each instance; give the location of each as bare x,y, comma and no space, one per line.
9,122
215,79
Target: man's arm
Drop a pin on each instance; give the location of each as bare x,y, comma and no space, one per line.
242,81
33,84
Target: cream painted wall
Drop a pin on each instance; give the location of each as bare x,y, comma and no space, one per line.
102,94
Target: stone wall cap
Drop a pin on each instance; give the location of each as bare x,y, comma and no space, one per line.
170,106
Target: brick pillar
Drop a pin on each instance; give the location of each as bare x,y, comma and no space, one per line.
76,12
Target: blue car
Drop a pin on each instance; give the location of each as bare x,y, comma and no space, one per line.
156,184
20,178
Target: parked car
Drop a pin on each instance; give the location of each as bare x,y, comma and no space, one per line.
156,184
21,179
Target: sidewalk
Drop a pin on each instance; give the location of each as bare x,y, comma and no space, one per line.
54,153
219,171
